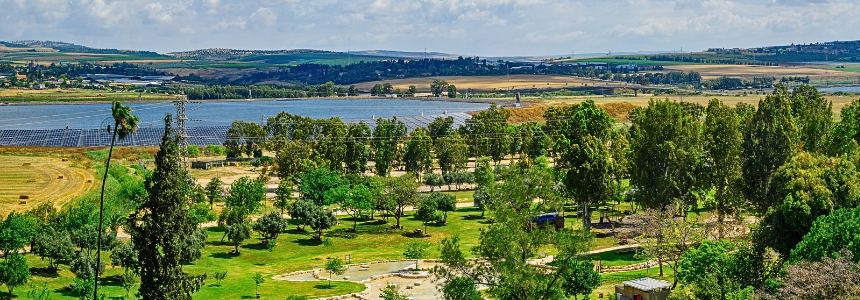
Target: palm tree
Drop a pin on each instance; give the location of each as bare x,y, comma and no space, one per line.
124,124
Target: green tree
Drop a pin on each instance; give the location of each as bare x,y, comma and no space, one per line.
386,141
355,200
484,174
125,124
813,116
123,255
16,230
433,181
412,90
508,245
53,245
452,153
391,292
214,190
129,281
160,224
769,142
710,270
578,277
444,203
438,86
666,155
400,192
487,132
14,272
332,135
334,266
460,288
452,91
85,267
416,249
301,210
220,276
294,158
316,183
283,195
258,280
846,133
722,137
238,233
808,186
829,235
418,156
427,212
357,149
482,199
270,225
589,178
321,219
247,193
440,127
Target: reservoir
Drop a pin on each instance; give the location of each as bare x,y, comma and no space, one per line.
206,114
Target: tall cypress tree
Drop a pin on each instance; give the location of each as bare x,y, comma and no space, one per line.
160,226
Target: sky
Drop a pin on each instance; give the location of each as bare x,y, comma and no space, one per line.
467,27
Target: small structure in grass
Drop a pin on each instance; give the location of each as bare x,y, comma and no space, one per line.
643,289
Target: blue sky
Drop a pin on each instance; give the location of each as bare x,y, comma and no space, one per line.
469,27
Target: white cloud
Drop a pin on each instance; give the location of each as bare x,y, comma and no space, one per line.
468,27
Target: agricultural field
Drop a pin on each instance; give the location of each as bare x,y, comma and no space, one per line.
635,60
487,83
41,180
748,71
292,59
75,95
53,57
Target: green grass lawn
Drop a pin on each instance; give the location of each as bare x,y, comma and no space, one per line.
294,252
612,259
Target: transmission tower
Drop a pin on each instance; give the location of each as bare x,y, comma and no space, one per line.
182,132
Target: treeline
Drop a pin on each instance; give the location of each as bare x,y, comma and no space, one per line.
730,83
381,70
673,77
72,71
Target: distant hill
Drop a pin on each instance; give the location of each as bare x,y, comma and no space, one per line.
234,54
74,48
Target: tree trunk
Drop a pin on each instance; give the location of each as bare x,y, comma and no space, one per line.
586,220
660,262
101,218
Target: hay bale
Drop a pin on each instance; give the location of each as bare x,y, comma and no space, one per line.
31,180
22,202
60,177
23,197
65,159
25,164
89,181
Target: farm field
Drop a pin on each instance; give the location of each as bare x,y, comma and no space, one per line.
49,57
292,59
635,61
486,83
72,95
40,180
747,71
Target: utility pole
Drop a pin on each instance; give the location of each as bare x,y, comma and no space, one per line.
182,131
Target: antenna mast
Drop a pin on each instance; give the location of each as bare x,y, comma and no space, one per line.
182,131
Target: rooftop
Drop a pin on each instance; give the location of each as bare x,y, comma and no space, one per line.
647,284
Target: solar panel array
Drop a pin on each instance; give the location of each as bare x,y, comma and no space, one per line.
149,136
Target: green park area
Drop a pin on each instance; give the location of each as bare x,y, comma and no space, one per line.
711,202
